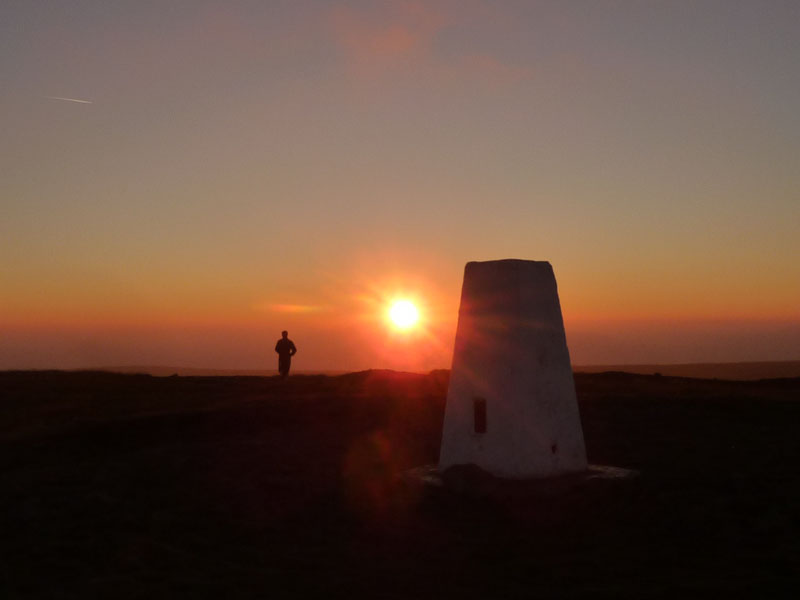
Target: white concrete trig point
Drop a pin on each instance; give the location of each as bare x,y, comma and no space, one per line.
511,405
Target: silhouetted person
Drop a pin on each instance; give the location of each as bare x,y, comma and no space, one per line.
286,350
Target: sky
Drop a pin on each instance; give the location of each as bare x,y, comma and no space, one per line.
181,180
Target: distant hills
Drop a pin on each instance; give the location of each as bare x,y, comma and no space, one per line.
732,371
166,371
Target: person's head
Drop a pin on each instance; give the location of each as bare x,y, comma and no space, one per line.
284,334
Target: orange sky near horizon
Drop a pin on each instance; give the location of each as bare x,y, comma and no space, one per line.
181,182
346,328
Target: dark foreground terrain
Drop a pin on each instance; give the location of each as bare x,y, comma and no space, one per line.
128,486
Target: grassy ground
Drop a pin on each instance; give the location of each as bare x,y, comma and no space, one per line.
126,486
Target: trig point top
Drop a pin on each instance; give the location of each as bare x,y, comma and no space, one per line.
511,404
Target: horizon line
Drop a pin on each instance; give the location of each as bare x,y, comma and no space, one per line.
742,370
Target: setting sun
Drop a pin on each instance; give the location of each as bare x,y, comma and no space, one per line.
403,314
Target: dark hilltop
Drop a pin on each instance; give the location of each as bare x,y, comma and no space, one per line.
134,486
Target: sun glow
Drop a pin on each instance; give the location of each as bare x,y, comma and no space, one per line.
403,314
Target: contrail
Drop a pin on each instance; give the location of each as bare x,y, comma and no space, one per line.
69,99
